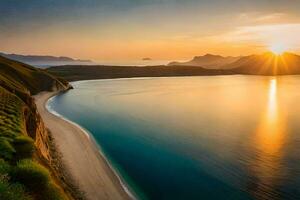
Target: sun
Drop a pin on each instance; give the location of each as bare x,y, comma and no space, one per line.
278,49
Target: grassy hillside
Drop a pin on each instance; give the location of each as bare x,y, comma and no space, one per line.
21,175
24,78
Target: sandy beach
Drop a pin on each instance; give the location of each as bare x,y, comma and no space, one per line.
81,156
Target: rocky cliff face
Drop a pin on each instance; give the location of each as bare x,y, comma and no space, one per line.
36,127
46,152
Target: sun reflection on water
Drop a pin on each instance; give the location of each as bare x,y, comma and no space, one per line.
270,133
272,105
269,142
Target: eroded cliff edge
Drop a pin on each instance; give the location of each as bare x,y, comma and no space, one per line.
19,81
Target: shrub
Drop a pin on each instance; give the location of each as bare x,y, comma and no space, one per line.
52,192
4,167
36,179
12,192
4,171
31,174
7,133
19,175
24,147
6,149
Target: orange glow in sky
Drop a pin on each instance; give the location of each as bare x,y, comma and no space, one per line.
161,30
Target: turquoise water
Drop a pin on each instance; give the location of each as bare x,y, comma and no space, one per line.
222,137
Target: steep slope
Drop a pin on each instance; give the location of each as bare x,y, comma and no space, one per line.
207,61
25,78
267,64
24,140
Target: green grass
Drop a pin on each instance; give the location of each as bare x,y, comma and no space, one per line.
7,151
34,176
13,191
11,123
36,179
24,147
8,190
21,176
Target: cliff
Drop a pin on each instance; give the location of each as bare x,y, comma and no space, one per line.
18,82
23,81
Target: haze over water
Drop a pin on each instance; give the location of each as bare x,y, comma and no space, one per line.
222,137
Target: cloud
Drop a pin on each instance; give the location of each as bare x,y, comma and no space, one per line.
273,17
267,35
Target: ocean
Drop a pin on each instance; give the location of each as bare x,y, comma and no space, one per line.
190,138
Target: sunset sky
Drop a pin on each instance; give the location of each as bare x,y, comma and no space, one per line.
160,29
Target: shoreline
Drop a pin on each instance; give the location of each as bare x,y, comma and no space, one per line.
82,156
91,138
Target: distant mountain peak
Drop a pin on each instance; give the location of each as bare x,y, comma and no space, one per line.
208,61
212,55
43,59
208,56
146,59
267,63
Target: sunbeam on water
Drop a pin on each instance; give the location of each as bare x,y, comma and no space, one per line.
270,138
272,105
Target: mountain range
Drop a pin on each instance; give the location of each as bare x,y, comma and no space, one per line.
268,64
208,61
25,142
44,61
